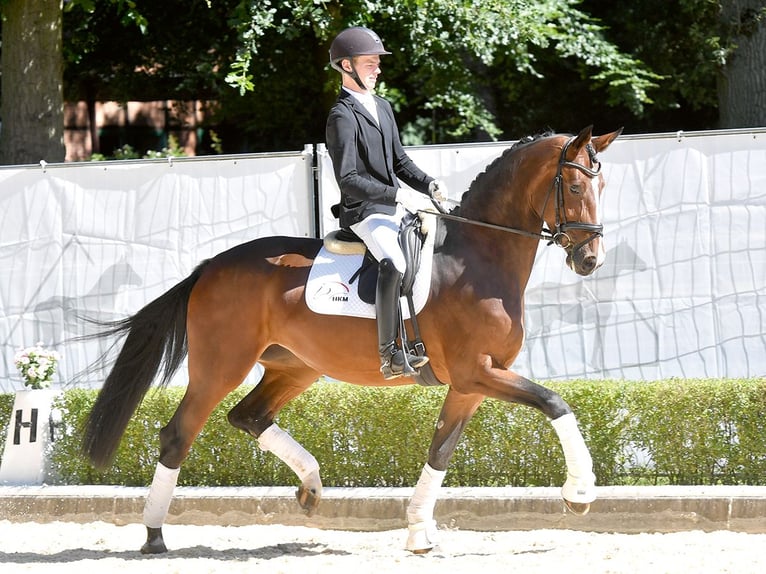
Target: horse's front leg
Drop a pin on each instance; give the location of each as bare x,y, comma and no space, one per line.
455,414
579,489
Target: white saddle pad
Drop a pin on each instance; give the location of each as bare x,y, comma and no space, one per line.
330,292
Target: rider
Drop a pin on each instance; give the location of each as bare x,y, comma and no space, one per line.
368,160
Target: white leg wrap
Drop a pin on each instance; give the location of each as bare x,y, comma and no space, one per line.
289,451
160,493
580,485
423,534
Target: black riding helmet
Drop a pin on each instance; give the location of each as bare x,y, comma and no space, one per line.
355,41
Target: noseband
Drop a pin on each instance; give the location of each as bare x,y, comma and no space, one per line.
559,235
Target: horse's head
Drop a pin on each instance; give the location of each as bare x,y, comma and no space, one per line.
572,208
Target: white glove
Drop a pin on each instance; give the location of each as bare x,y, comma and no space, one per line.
414,201
438,190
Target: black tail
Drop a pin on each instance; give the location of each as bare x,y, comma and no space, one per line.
156,339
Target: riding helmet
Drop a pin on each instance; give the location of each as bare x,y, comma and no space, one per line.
355,41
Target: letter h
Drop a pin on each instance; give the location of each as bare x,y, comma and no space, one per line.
31,425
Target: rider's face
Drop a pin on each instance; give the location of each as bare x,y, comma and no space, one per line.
368,68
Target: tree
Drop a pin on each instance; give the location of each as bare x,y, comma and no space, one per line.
742,80
711,55
32,108
121,50
461,70
442,68
441,76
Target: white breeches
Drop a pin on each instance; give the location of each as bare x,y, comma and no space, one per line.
380,233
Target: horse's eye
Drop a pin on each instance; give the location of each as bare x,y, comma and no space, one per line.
575,188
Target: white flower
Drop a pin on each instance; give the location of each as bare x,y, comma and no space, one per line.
37,365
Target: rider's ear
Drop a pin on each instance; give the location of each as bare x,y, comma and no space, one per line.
346,65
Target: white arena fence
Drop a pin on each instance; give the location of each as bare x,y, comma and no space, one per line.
682,293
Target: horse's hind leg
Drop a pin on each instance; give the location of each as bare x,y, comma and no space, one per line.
457,411
282,381
209,382
176,439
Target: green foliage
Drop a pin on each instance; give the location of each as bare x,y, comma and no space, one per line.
216,143
127,151
683,41
173,149
131,49
664,432
703,432
6,406
461,70
447,53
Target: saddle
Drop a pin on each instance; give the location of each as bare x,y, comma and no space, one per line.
411,238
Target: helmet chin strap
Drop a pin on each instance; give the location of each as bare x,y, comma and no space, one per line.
355,76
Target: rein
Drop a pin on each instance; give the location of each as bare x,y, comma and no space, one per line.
559,236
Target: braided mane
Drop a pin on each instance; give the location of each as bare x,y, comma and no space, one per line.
491,171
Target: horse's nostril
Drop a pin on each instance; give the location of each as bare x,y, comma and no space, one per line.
589,263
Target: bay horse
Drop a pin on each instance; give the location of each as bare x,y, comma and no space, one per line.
247,305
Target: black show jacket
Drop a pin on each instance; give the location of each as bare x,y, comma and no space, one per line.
368,159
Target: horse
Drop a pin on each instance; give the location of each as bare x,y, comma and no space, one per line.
247,305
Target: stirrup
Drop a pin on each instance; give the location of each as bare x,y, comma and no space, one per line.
395,363
416,361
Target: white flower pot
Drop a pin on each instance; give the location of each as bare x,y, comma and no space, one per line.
29,437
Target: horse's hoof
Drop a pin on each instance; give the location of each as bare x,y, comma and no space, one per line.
422,537
578,493
578,508
154,543
309,493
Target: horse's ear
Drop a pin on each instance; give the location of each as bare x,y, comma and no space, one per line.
579,142
602,142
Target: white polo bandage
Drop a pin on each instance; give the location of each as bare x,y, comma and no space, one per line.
576,453
288,450
421,508
160,494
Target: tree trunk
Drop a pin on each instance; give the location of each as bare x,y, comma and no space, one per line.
742,81
32,108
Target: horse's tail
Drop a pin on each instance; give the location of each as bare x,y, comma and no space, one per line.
156,339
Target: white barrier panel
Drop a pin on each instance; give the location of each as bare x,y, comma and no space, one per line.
683,289
103,239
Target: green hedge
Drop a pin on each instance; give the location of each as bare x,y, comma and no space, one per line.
666,432
6,406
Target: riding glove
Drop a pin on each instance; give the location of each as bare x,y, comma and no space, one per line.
414,201
437,189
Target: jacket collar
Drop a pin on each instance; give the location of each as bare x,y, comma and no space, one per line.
358,107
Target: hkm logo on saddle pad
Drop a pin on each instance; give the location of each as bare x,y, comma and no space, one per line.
329,289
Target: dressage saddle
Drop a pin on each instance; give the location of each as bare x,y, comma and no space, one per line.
411,239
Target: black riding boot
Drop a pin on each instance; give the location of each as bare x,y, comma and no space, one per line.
388,289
